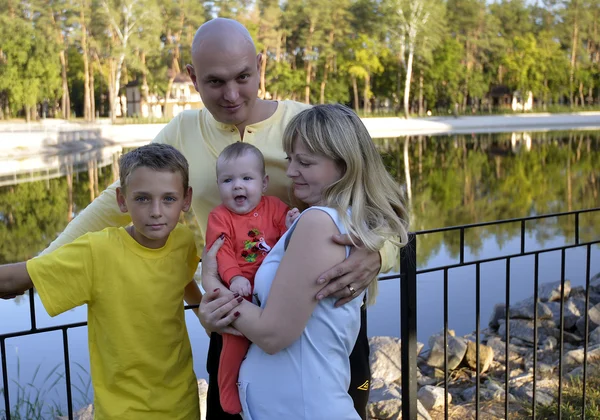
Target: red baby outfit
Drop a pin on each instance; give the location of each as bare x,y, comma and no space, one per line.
248,239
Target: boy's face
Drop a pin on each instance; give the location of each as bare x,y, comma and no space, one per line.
154,199
241,183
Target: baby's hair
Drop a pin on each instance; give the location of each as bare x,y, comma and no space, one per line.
239,149
156,156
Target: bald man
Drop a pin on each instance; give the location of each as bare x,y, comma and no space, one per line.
225,71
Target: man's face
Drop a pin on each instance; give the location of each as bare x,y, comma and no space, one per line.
227,80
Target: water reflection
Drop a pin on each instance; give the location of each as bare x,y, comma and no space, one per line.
455,180
449,180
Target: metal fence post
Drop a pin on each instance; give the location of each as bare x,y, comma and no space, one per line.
408,323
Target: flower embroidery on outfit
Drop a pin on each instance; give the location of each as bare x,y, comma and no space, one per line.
254,245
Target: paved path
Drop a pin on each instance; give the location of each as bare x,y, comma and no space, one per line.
394,127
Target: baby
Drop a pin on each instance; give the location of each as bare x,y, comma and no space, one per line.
252,223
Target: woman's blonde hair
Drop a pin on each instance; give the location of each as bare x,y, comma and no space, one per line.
378,211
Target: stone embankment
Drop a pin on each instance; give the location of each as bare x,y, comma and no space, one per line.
385,401
385,397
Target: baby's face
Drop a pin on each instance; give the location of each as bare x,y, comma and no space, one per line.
241,183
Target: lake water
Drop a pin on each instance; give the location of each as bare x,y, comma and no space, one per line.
451,180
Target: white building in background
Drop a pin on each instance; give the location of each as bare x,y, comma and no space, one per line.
183,96
519,105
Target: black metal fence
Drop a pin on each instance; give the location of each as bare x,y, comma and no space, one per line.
408,300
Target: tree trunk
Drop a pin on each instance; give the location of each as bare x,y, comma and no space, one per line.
111,89
65,100
407,170
411,52
366,93
574,42
355,90
87,105
263,71
324,82
117,83
308,65
421,93
92,93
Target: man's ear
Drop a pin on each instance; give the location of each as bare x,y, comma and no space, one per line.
265,183
121,200
259,59
187,199
192,73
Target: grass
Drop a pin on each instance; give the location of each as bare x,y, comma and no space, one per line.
32,400
572,398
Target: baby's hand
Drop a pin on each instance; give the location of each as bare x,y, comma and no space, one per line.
291,216
240,285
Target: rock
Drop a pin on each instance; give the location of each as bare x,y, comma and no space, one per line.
457,348
423,380
520,380
86,413
593,320
575,357
550,292
202,392
595,336
486,356
499,348
525,392
432,397
498,313
595,283
385,358
571,310
525,310
485,394
577,291
548,344
385,402
523,330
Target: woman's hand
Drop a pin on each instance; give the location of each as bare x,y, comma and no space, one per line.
217,307
217,312
349,278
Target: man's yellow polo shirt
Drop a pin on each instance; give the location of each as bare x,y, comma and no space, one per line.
140,353
201,138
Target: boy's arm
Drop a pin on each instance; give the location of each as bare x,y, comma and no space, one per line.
226,258
14,280
192,295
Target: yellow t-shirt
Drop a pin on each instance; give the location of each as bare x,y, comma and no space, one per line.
140,353
201,138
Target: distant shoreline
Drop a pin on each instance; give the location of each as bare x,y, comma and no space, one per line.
28,138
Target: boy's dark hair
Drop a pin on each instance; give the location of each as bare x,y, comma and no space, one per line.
160,157
238,149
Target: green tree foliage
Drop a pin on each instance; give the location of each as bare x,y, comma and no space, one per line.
451,55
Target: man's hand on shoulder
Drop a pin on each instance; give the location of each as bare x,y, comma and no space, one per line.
349,278
291,217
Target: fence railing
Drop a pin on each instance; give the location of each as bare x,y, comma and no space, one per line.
408,301
408,276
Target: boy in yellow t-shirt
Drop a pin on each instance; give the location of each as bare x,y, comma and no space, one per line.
134,281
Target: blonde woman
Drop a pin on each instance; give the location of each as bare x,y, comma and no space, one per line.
297,365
